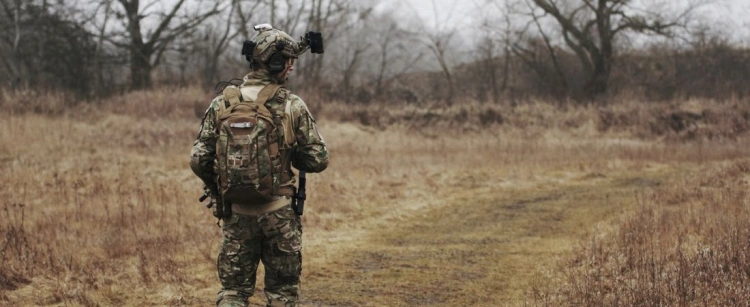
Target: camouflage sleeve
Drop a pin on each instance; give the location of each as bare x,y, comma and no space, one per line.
203,154
310,153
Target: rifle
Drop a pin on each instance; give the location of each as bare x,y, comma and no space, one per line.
221,211
298,200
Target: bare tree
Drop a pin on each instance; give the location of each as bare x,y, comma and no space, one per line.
105,7
531,52
392,50
146,52
590,27
438,41
496,50
12,11
386,39
220,42
354,44
328,17
35,34
485,68
293,15
244,18
507,39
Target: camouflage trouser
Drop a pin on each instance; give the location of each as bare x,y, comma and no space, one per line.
274,238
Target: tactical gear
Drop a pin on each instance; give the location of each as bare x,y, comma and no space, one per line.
252,152
269,42
309,151
272,44
270,232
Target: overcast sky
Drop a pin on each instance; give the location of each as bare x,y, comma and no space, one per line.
730,16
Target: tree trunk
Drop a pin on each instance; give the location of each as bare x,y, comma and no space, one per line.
506,70
140,70
598,81
14,56
210,75
383,65
140,63
98,62
448,79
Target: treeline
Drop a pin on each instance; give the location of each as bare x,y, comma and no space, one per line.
581,51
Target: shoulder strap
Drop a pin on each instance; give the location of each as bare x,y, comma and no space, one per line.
289,123
281,95
267,93
232,97
263,96
281,114
233,100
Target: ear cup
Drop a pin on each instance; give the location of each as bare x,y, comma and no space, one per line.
276,63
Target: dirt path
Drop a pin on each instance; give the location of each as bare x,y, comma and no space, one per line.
485,243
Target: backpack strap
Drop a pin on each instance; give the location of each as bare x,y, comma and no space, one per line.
233,100
279,148
289,121
280,112
232,97
281,95
267,93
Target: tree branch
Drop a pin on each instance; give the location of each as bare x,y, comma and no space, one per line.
583,56
227,28
7,9
164,23
552,53
17,26
566,23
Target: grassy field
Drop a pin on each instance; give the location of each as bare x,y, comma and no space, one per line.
535,205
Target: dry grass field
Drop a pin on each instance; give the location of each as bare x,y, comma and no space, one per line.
534,205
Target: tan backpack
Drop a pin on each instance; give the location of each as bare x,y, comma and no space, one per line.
253,148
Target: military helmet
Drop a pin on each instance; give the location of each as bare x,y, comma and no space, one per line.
270,41
272,46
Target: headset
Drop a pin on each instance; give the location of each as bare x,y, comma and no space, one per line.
276,63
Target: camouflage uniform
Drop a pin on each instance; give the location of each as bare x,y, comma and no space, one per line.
272,232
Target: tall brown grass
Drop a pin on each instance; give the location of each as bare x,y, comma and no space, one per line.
100,208
686,244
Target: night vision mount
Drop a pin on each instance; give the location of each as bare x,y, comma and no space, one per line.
314,40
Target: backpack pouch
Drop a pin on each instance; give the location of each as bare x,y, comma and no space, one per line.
247,169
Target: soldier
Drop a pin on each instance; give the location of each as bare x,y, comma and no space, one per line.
259,228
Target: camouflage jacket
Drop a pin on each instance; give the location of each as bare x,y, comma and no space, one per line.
309,152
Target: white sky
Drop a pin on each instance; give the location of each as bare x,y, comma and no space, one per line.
728,16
